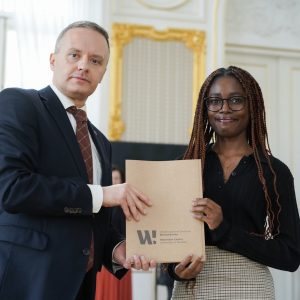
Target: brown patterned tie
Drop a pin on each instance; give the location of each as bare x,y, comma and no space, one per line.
82,135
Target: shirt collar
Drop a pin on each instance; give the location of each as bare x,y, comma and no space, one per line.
65,101
262,158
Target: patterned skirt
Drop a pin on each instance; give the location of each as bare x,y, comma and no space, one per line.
227,276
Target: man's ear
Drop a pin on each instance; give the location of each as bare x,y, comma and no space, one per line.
52,61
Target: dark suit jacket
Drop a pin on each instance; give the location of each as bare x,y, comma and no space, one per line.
46,219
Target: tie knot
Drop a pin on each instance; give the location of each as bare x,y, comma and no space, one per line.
79,114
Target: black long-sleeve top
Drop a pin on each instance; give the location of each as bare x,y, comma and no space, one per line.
244,211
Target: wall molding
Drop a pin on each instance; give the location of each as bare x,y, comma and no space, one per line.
261,50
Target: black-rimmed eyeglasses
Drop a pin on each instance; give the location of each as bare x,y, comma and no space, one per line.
235,103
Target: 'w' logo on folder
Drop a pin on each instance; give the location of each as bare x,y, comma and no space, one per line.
147,236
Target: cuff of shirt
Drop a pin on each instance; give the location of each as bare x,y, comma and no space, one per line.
97,196
115,266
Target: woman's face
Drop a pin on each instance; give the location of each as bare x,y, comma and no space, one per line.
227,122
116,177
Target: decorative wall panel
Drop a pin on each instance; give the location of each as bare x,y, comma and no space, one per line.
271,23
156,76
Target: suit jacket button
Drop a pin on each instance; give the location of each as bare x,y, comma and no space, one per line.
86,251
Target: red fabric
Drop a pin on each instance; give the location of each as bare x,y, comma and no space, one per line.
110,288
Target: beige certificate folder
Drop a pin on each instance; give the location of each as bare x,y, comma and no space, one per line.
168,232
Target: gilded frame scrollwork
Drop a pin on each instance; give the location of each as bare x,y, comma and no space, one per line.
122,34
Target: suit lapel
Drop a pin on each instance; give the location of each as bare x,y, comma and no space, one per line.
59,115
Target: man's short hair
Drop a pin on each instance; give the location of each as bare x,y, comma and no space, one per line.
82,24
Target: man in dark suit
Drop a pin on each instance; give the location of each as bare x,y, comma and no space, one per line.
55,181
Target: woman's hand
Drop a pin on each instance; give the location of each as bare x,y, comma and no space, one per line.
189,268
208,211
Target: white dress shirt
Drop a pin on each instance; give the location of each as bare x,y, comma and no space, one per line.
96,189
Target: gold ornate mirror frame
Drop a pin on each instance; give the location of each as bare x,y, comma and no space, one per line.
122,34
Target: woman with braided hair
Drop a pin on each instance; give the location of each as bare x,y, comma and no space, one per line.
249,205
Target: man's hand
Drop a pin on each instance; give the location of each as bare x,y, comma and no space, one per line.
138,262
129,198
189,268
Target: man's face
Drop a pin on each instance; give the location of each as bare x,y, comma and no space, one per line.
79,64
